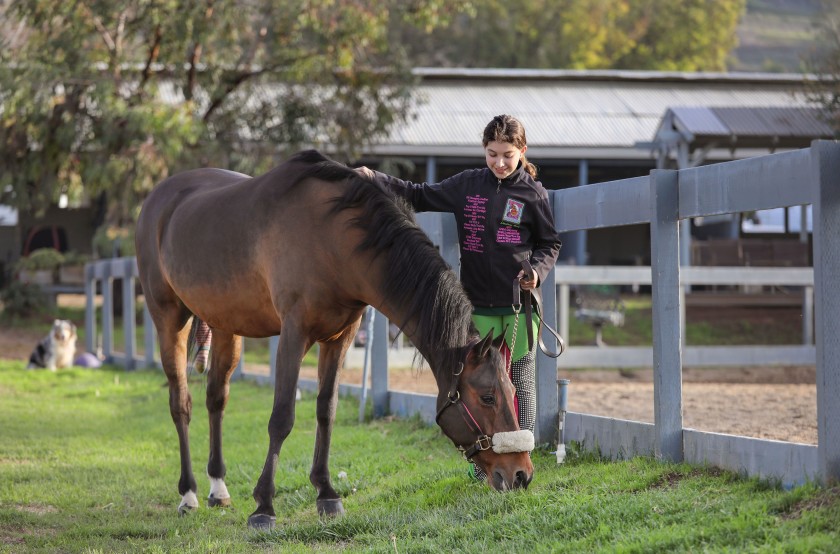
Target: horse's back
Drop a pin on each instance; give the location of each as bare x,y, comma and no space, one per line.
243,242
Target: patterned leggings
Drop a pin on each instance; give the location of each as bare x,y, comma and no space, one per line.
523,376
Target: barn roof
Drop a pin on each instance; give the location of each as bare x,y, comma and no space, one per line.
596,114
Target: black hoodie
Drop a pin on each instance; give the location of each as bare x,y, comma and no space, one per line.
500,223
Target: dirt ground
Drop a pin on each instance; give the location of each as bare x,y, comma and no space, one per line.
772,403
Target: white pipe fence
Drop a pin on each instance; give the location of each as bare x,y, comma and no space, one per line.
663,199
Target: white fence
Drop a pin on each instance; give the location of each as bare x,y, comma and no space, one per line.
662,199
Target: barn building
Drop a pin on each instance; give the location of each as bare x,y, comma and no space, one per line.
592,126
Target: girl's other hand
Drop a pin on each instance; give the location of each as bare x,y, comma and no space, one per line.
527,282
365,173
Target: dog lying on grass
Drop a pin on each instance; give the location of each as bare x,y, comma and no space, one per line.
56,350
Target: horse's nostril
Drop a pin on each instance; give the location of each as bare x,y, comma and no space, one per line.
521,480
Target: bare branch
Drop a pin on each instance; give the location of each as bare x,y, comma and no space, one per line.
100,27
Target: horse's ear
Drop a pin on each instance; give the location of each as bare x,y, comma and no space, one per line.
483,347
498,341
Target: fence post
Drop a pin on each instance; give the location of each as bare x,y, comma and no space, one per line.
545,430
379,365
128,309
564,312
108,311
808,315
90,308
273,344
825,164
667,342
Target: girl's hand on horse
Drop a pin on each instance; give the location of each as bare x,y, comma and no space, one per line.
365,173
527,282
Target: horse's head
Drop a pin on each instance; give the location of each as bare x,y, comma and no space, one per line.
478,414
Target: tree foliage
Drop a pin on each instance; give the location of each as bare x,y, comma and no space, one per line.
684,35
824,89
99,96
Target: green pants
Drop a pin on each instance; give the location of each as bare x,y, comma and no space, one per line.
500,323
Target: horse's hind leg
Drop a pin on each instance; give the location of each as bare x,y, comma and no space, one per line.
173,331
226,349
329,360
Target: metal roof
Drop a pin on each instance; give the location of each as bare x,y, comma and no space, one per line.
744,127
595,113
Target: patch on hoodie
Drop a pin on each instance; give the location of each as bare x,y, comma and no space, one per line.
513,211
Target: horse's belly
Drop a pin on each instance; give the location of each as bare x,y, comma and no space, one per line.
242,306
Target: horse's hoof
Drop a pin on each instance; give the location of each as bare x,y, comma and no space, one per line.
261,522
330,507
218,502
189,502
185,510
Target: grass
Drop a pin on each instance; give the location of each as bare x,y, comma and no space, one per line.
704,327
89,463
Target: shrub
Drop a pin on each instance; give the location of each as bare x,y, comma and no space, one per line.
72,257
42,258
22,300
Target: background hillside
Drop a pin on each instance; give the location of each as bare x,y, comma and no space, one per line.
775,35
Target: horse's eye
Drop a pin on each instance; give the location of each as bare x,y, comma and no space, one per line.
488,399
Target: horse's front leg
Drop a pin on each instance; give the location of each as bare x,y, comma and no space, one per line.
329,361
226,349
290,350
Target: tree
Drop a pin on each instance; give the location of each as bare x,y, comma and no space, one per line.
824,87
110,97
684,35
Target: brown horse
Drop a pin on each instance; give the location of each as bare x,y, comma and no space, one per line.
299,252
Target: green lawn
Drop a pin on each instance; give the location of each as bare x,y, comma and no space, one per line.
89,463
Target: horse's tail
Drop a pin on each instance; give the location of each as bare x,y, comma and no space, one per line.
198,345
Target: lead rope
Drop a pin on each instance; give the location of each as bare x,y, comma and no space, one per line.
516,310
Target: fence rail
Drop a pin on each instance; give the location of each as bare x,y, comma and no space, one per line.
642,356
662,199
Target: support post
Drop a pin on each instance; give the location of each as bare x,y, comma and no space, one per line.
128,305
580,236
273,344
667,342
546,425
90,309
108,314
808,315
379,365
564,312
825,157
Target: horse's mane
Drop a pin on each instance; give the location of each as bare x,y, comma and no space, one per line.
418,277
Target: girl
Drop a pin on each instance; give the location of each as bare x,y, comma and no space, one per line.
503,217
